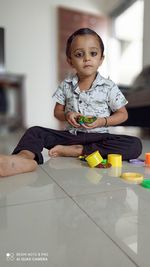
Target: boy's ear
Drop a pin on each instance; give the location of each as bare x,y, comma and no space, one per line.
103,57
101,60
69,61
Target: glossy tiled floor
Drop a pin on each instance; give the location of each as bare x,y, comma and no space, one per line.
66,214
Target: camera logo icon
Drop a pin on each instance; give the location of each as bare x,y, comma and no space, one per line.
10,256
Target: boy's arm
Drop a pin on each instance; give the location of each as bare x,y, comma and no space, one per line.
59,112
116,118
71,117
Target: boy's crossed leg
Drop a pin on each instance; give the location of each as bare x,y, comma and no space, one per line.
20,163
66,151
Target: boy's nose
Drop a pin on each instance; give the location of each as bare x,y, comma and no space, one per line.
86,57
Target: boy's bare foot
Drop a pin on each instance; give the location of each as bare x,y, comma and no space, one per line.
66,151
15,164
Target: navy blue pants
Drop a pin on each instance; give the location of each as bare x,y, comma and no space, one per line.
36,138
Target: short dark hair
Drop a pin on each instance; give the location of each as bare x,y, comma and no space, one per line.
83,31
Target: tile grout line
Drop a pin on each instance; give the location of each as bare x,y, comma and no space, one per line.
91,219
119,189
57,183
105,233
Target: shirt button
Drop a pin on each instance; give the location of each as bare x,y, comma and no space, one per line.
80,101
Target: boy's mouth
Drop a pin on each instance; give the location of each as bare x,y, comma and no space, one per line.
87,66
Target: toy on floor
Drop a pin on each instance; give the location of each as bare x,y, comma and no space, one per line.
133,177
145,162
147,159
94,159
136,161
104,165
146,183
115,160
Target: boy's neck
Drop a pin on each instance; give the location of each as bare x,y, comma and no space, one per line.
85,83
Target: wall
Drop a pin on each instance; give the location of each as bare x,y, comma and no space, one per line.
146,37
31,49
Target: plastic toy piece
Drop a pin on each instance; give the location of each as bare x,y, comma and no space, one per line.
85,119
132,177
137,161
146,183
115,160
104,161
82,158
103,165
94,159
147,159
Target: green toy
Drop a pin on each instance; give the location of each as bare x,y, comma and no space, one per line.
87,120
146,183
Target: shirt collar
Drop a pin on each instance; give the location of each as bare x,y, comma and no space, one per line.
99,80
72,79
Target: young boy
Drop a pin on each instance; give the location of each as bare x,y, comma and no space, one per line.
85,93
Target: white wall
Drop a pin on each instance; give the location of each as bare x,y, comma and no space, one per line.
31,49
146,37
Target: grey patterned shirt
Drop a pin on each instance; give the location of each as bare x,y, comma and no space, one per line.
100,100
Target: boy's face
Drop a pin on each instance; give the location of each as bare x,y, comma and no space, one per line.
85,55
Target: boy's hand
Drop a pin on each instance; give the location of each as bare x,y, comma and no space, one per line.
86,119
72,118
100,122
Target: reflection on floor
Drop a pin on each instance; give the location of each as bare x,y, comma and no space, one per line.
66,214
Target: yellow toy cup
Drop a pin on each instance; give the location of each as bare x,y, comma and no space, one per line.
94,159
115,160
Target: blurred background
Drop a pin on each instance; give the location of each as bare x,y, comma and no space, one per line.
33,35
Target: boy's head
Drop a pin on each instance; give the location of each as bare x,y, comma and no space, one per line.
82,32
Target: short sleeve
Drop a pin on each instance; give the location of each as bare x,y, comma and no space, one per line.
116,99
59,94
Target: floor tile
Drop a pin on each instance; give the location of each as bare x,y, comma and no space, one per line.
104,222
58,230
77,178
125,216
29,187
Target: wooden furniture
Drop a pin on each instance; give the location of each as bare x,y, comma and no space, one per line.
15,82
70,20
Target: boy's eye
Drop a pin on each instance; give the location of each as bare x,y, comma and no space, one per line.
79,54
93,53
